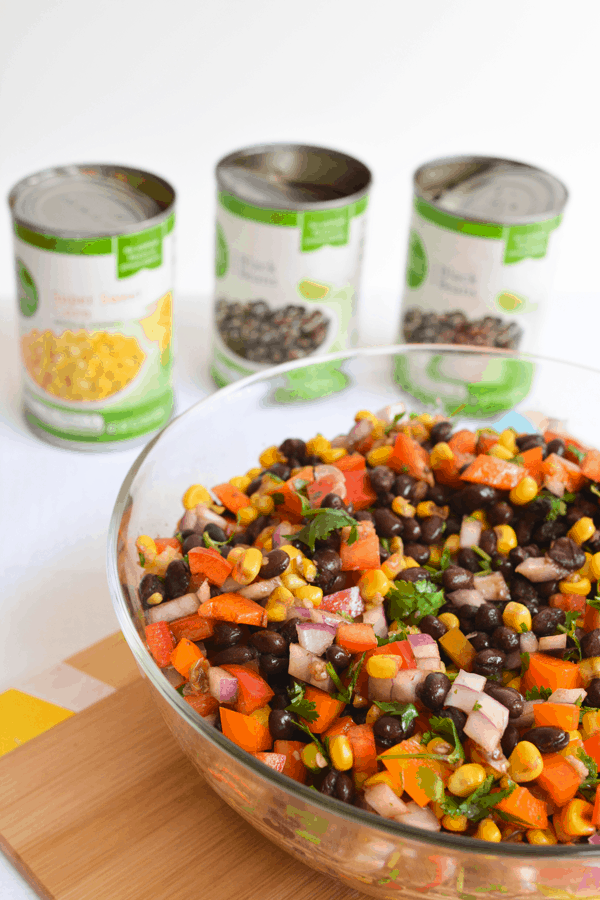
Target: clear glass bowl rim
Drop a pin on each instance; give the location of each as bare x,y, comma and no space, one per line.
208,732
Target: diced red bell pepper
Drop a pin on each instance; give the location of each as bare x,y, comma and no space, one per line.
160,643
409,456
326,706
402,649
363,553
356,637
294,766
318,490
246,731
208,562
194,628
231,497
358,489
347,601
253,690
163,543
498,473
234,608
463,441
203,702
274,761
560,469
351,462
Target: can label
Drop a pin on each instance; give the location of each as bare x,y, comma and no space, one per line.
473,283
286,284
95,331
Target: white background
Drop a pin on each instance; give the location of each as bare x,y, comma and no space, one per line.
173,86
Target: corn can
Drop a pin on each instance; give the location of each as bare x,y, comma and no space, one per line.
289,244
94,267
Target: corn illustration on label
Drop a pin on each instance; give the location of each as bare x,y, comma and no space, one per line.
95,333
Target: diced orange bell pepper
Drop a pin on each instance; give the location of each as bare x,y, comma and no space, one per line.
160,643
568,602
292,504
409,456
592,747
339,726
485,441
547,671
203,702
532,461
274,761
362,741
294,766
463,441
596,813
559,778
459,648
498,473
419,774
245,731
363,553
526,808
590,467
184,656
358,489
253,690
447,471
234,608
591,619
326,707
193,628
356,637
561,715
163,543
563,470
351,462
208,562
231,497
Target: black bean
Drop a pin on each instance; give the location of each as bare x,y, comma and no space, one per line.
413,575
215,591
267,641
412,529
488,541
403,485
277,562
441,432
538,509
567,554
432,529
151,584
382,479
467,612
329,782
338,657
507,696
529,441
479,641
214,532
236,656
547,738
501,564
478,496
384,553
556,446
344,788
452,525
254,529
593,694
532,605
338,583
489,662
468,559
387,524
290,631
455,578
500,513
363,515
333,542
458,717
279,701
332,501
590,644
254,485
177,578
272,665
418,552
518,555
193,540
546,621
432,692
522,589
510,739
438,494
358,713
328,563
523,530
418,492
548,531
432,626
226,634
294,447
388,731
487,618
545,589
282,725
505,638
384,500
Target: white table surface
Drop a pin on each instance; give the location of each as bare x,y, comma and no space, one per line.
56,504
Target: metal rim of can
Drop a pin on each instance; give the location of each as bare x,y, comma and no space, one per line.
105,170
476,160
227,164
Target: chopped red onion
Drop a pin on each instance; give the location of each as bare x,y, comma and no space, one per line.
528,642
470,532
260,589
405,685
380,688
494,711
188,520
222,685
316,637
299,612
470,680
206,516
231,586
466,597
384,801
308,667
483,732
555,485
492,587
203,592
419,817
282,534
579,766
376,618
567,695
339,486
359,432
328,618
186,605
462,697
424,646
552,642
541,568
431,664
594,839
389,412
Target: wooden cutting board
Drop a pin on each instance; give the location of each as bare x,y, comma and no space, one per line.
105,806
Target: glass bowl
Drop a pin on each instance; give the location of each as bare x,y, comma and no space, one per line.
223,436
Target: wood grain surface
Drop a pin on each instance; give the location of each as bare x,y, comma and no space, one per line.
105,806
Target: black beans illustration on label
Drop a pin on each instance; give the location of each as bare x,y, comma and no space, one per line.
264,335
421,327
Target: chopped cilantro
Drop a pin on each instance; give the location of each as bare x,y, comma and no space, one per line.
538,693
406,712
211,544
558,505
305,708
443,726
485,562
457,410
391,638
523,628
142,559
180,688
476,706
589,784
569,629
410,601
314,739
578,454
478,804
594,601
445,561
345,691
385,543
524,663
517,460
595,489
324,521
395,421
179,537
278,499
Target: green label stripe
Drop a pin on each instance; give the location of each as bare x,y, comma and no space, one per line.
101,246
283,217
453,223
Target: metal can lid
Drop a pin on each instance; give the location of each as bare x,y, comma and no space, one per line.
293,176
487,189
82,201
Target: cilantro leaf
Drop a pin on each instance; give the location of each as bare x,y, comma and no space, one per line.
569,629
477,805
324,521
476,706
517,460
305,708
579,454
406,712
410,601
395,421
594,601
179,537
595,489
345,691
589,784
315,740
211,544
391,638
445,561
538,693
558,505
277,499
444,727
524,663
142,559
485,562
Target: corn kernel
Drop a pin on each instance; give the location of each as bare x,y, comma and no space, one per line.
373,714
586,570
309,755
409,563
270,456
595,566
393,565
575,818
464,781
276,611
524,492
317,445
262,503
589,669
425,509
481,516
154,599
373,582
306,569
253,473
515,683
281,594
235,554
384,778
363,414
516,615
403,508
440,746
435,555
146,546
247,565
449,620
508,439
332,455
580,586
291,551
246,515
487,830
240,482
506,539
590,724
452,543
309,593
381,666
525,763
292,582
455,823
500,452
194,495
582,530
440,453
379,456
397,545
542,837
340,751
264,538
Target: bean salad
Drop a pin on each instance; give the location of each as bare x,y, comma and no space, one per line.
404,618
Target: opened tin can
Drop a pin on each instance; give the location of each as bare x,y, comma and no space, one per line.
289,244
94,266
